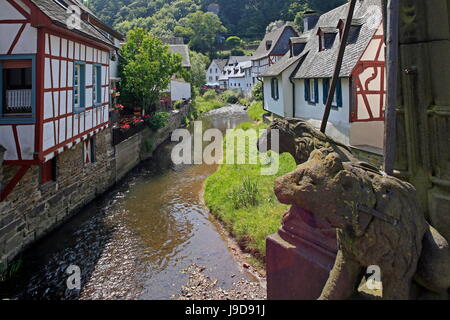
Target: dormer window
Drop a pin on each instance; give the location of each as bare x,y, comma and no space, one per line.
326,38
268,44
354,31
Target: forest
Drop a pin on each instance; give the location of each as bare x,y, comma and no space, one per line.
246,19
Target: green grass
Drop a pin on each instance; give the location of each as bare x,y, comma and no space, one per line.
244,201
203,105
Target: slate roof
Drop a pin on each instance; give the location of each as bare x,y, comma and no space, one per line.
240,67
238,59
321,64
59,16
285,62
272,36
221,63
183,51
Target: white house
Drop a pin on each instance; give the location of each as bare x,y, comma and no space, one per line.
180,89
230,70
215,71
241,77
298,85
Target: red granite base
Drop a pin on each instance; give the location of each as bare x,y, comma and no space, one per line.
299,257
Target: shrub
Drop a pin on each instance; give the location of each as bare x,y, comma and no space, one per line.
256,111
246,195
244,102
257,91
158,120
178,104
210,95
231,96
237,52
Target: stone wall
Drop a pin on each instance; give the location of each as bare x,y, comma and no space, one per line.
33,210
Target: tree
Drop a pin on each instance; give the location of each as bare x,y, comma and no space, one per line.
201,29
199,63
146,67
233,42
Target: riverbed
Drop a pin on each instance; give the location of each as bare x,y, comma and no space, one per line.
135,241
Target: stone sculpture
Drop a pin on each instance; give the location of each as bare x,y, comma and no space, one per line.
377,217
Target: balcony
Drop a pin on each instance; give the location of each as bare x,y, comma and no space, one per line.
18,103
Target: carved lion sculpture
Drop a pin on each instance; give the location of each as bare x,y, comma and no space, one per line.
378,221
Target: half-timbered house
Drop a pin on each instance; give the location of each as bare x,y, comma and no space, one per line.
54,83
298,85
272,48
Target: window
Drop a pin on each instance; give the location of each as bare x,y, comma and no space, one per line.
217,78
96,85
312,90
48,171
79,86
17,90
89,151
274,89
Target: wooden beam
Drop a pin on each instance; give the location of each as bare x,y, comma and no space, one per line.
390,134
14,181
337,68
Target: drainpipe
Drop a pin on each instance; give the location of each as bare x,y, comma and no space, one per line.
392,49
262,85
291,77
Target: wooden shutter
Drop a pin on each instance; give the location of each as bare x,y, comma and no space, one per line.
316,90
339,93
307,84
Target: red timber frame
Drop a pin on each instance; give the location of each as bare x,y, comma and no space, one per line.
66,143
44,25
361,88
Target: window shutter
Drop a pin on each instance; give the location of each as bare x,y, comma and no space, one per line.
272,91
278,88
316,90
326,88
339,93
306,89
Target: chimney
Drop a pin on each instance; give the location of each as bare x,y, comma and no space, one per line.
310,19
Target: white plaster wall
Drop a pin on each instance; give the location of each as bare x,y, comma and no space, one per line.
180,90
7,141
367,134
274,106
338,125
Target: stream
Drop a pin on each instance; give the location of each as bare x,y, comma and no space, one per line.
134,241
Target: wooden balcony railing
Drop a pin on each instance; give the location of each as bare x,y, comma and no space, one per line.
18,101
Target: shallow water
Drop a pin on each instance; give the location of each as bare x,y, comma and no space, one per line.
133,242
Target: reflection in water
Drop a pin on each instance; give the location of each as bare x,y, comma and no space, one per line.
133,242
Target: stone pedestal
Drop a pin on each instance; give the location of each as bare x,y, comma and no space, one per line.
299,257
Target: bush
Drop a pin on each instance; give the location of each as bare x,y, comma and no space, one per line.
256,111
246,195
244,102
237,52
257,91
210,95
231,96
178,104
158,120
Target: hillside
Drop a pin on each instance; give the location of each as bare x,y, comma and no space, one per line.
247,19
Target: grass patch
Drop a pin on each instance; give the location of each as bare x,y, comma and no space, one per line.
243,199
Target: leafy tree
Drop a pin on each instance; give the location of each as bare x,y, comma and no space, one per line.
201,30
199,63
146,68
